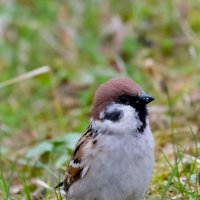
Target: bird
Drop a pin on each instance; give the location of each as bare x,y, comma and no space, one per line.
114,158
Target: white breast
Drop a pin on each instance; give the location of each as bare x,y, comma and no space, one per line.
118,172
123,162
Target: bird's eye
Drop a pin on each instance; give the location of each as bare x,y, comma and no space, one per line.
124,100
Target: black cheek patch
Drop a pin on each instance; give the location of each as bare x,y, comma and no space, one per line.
113,116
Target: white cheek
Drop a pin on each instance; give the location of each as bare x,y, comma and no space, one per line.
128,122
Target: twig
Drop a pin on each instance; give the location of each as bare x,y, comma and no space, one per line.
25,76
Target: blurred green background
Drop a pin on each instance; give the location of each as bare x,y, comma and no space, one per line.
54,54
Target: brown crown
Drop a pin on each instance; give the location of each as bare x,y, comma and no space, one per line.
110,91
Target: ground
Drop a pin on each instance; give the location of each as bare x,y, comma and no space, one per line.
54,54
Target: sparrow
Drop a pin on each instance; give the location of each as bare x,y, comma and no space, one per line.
114,158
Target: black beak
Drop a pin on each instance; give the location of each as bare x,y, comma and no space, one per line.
145,98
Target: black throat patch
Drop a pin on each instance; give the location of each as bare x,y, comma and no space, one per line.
140,108
142,114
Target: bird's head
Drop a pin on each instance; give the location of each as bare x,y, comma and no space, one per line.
121,102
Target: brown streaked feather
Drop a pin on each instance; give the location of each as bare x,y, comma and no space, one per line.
74,173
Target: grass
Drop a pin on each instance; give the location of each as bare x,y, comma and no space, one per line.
83,44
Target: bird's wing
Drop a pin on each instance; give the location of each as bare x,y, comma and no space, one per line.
80,162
